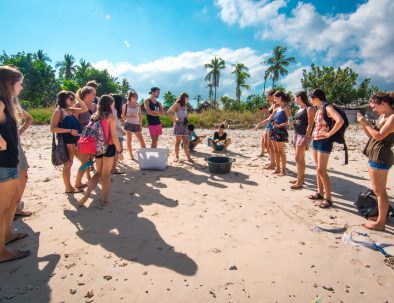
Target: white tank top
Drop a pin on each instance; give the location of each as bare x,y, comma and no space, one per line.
135,111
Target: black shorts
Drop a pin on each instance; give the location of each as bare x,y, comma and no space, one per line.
111,151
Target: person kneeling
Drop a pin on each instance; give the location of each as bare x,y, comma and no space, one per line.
220,142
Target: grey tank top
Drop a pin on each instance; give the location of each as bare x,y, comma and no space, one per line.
132,114
181,114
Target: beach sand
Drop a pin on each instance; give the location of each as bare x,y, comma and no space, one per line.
183,235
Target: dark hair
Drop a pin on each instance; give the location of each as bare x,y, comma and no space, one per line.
92,83
84,91
380,97
190,127
118,104
319,94
182,99
103,108
285,97
62,98
8,77
271,92
131,94
222,126
304,97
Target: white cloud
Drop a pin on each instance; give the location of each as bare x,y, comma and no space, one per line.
362,39
186,71
292,81
108,17
126,43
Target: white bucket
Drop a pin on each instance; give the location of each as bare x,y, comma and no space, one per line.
153,158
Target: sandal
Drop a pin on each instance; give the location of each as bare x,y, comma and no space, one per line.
325,204
296,186
316,196
17,237
118,172
23,213
74,191
20,255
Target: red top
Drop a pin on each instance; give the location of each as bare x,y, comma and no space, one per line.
105,126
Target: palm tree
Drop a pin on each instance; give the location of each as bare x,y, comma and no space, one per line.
41,56
209,85
66,67
198,99
216,65
277,63
241,74
266,76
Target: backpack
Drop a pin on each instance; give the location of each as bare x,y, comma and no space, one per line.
367,205
92,140
339,136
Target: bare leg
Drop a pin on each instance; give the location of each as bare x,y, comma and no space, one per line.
228,142
155,140
106,181
129,144
277,157
185,140
282,157
83,159
140,139
271,149
67,168
21,189
178,140
322,171
300,165
319,181
379,182
93,182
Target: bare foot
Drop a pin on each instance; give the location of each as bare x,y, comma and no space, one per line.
82,201
269,166
282,174
276,172
374,226
293,182
104,203
176,159
190,160
373,218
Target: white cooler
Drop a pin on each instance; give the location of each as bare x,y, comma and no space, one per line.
153,158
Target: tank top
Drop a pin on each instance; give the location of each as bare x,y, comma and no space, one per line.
153,120
280,116
9,132
380,151
321,127
84,118
133,111
105,126
301,122
181,114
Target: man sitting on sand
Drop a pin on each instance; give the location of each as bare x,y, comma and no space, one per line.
220,142
194,140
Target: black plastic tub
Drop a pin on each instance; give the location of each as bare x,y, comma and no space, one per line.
219,165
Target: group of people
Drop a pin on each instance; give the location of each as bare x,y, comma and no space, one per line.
315,123
75,112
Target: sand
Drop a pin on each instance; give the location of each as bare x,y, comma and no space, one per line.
183,235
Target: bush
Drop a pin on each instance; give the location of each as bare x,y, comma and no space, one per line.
41,115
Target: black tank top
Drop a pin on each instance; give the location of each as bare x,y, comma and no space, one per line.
153,120
9,132
301,122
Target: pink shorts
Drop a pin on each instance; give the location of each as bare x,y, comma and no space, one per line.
155,130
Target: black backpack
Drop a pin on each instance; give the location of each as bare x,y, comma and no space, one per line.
367,205
339,136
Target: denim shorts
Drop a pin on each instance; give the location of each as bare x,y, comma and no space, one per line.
7,174
376,165
322,146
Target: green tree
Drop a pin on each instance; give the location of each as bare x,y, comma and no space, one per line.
198,99
41,56
278,63
124,88
82,72
266,76
241,75
213,76
254,102
228,103
339,85
70,85
169,99
107,83
66,67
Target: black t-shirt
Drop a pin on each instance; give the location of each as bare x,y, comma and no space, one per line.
153,120
223,138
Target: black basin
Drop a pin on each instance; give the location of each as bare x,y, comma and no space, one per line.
219,165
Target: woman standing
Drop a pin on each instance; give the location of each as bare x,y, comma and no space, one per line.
322,145
65,122
131,113
378,151
119,130
303,126
104,162
11,84
279,135
178,115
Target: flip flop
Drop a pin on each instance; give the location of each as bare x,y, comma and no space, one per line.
75,191
297,186
23,214
316,196
82,186
325,204
21,254
118,172
17,237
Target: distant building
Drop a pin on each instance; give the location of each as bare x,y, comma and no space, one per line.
352,110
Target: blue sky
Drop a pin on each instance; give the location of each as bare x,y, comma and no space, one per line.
166,43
